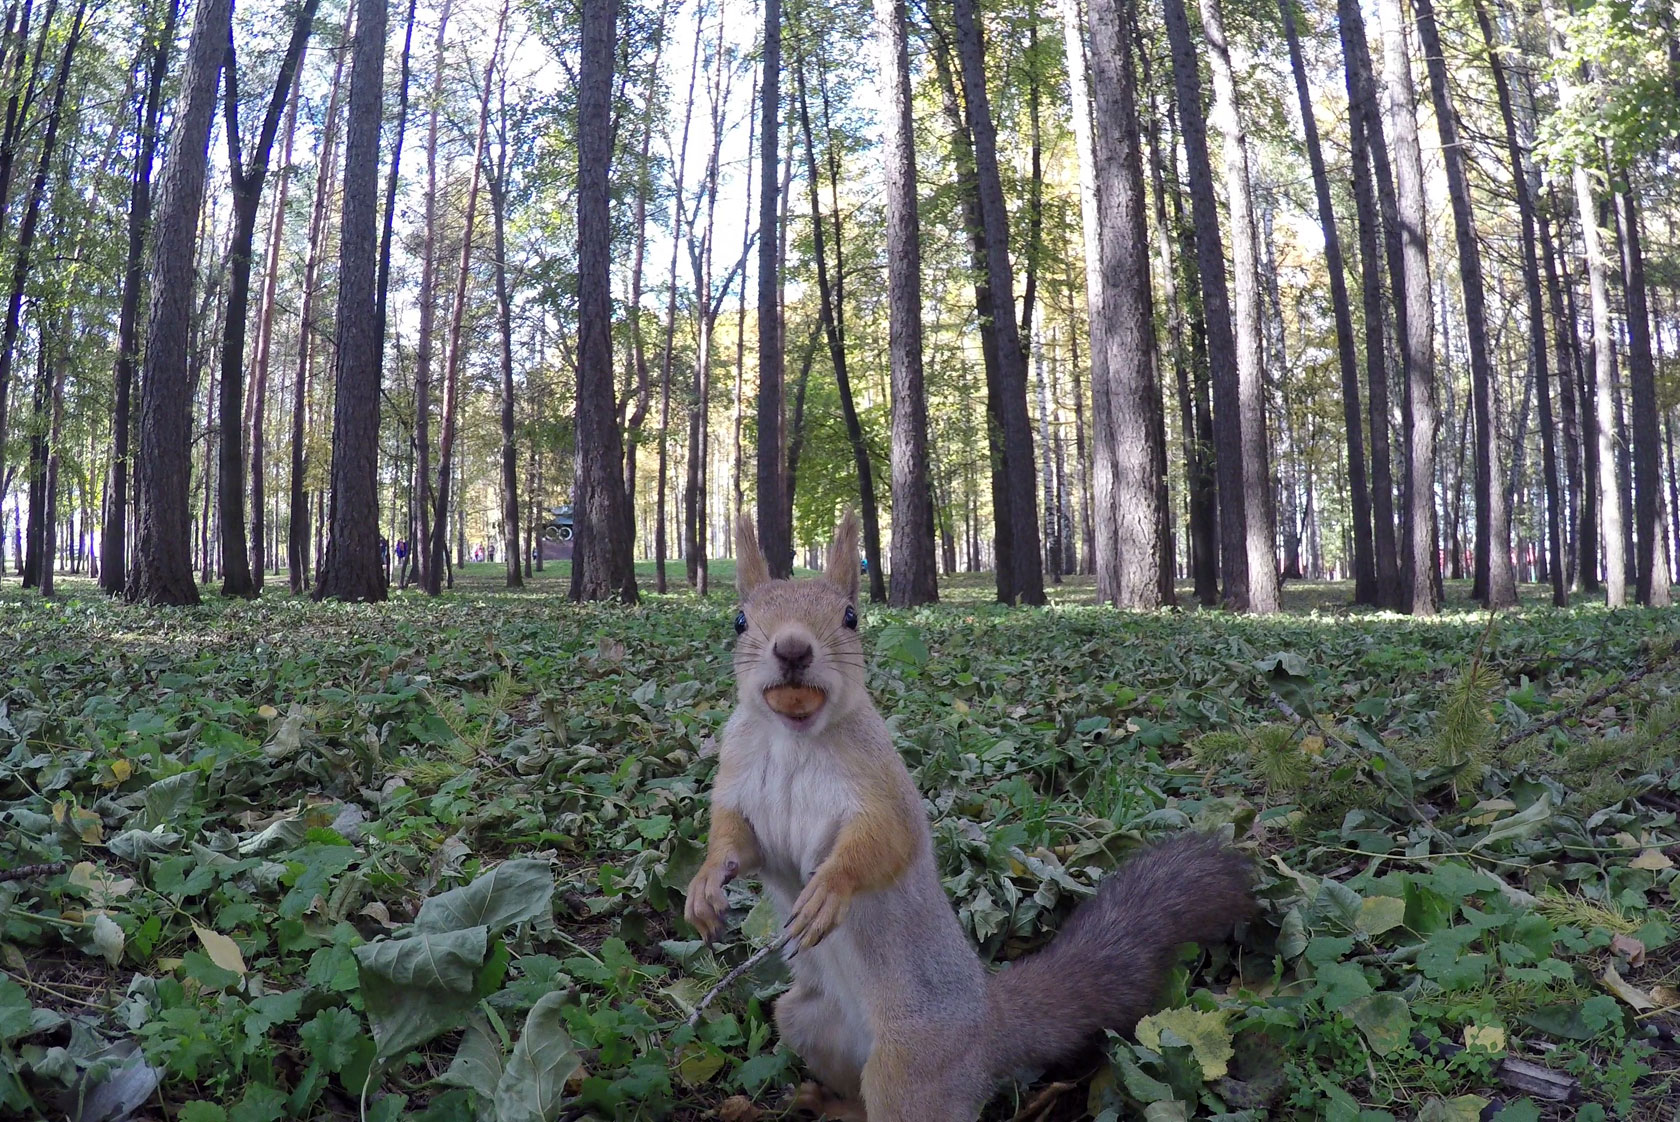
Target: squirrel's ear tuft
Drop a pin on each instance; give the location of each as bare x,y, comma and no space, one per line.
842,565
750,568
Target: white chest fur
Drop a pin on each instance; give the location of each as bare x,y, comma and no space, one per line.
792,792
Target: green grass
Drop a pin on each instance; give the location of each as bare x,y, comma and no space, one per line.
300,778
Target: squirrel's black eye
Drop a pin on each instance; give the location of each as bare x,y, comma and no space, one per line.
850,618
740,623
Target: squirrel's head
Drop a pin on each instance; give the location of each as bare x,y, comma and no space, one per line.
798,656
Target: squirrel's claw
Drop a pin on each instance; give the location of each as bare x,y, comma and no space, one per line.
819,910
706,902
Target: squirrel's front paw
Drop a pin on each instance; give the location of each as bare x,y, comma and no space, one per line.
819,909
706,901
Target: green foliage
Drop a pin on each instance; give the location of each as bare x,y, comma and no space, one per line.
433,853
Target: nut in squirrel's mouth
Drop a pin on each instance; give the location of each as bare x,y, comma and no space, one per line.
797,703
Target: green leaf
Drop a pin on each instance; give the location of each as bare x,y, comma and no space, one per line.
477,1065
532,1087
1203,1031
1384,1018
418,987
1520,825
903,643
513,892
169,800
201,1111
331,1037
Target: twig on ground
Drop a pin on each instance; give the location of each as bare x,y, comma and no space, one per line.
1596,697
28,872
757,957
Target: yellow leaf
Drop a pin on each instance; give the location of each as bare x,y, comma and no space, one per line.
1489,811
1312,745
60,809
224,952
1381,913
1205,1033
1637,999
960,705
1488,1038
87,825
1652,860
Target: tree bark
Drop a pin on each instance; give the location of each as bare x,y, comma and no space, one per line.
1129,431
1651,583
113,545
1255,476
162,570
1522,185
449,420
775,528
247,198
1494,584
352,568
1027,581
422,547
1417,335
504,320
601,565
1364,555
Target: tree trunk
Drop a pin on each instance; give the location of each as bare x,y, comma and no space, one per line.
1364,556
113,546
504,318
1417,335
1522,185
1027,582
422,547
247,198
1255,476
457,317
832,304
1127,422
775,529
162,571
601,564
351,568
1582,551
1495,584
265,336
1651,584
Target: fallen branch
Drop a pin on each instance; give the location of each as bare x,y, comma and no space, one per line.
29,872
1597,697
757,957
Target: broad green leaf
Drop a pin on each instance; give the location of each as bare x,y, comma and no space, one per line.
1519,825
1384,1018
1204,1032
418,987
477,1065
1381,913
513,892
533,1085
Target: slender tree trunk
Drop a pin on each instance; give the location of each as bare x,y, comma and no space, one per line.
832,315
1581,566
1651,584
601,564
351,568
247,198
422,547
775,530
457,317
1260,537
1522,186
504,308
1495,584
741,326
1027,583
113,563
265,336
1417,336
162,571
1364,556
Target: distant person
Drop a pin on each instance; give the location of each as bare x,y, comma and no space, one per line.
384,553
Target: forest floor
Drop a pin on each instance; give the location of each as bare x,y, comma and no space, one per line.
415,859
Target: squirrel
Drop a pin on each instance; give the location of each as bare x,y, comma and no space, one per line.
890,1006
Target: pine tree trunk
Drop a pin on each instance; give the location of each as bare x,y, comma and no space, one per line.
247,198
448,421
1129,432
1651,585
1581,567
1027,583
601,565
1255,476
1364,556
504,321
775,529
422,547
113,546
1494,583
1417,335
162,568
265,337
351,568
1522,182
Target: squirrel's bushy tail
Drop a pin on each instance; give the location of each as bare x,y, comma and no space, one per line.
1105,969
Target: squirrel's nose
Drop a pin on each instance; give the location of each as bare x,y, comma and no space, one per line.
793,654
